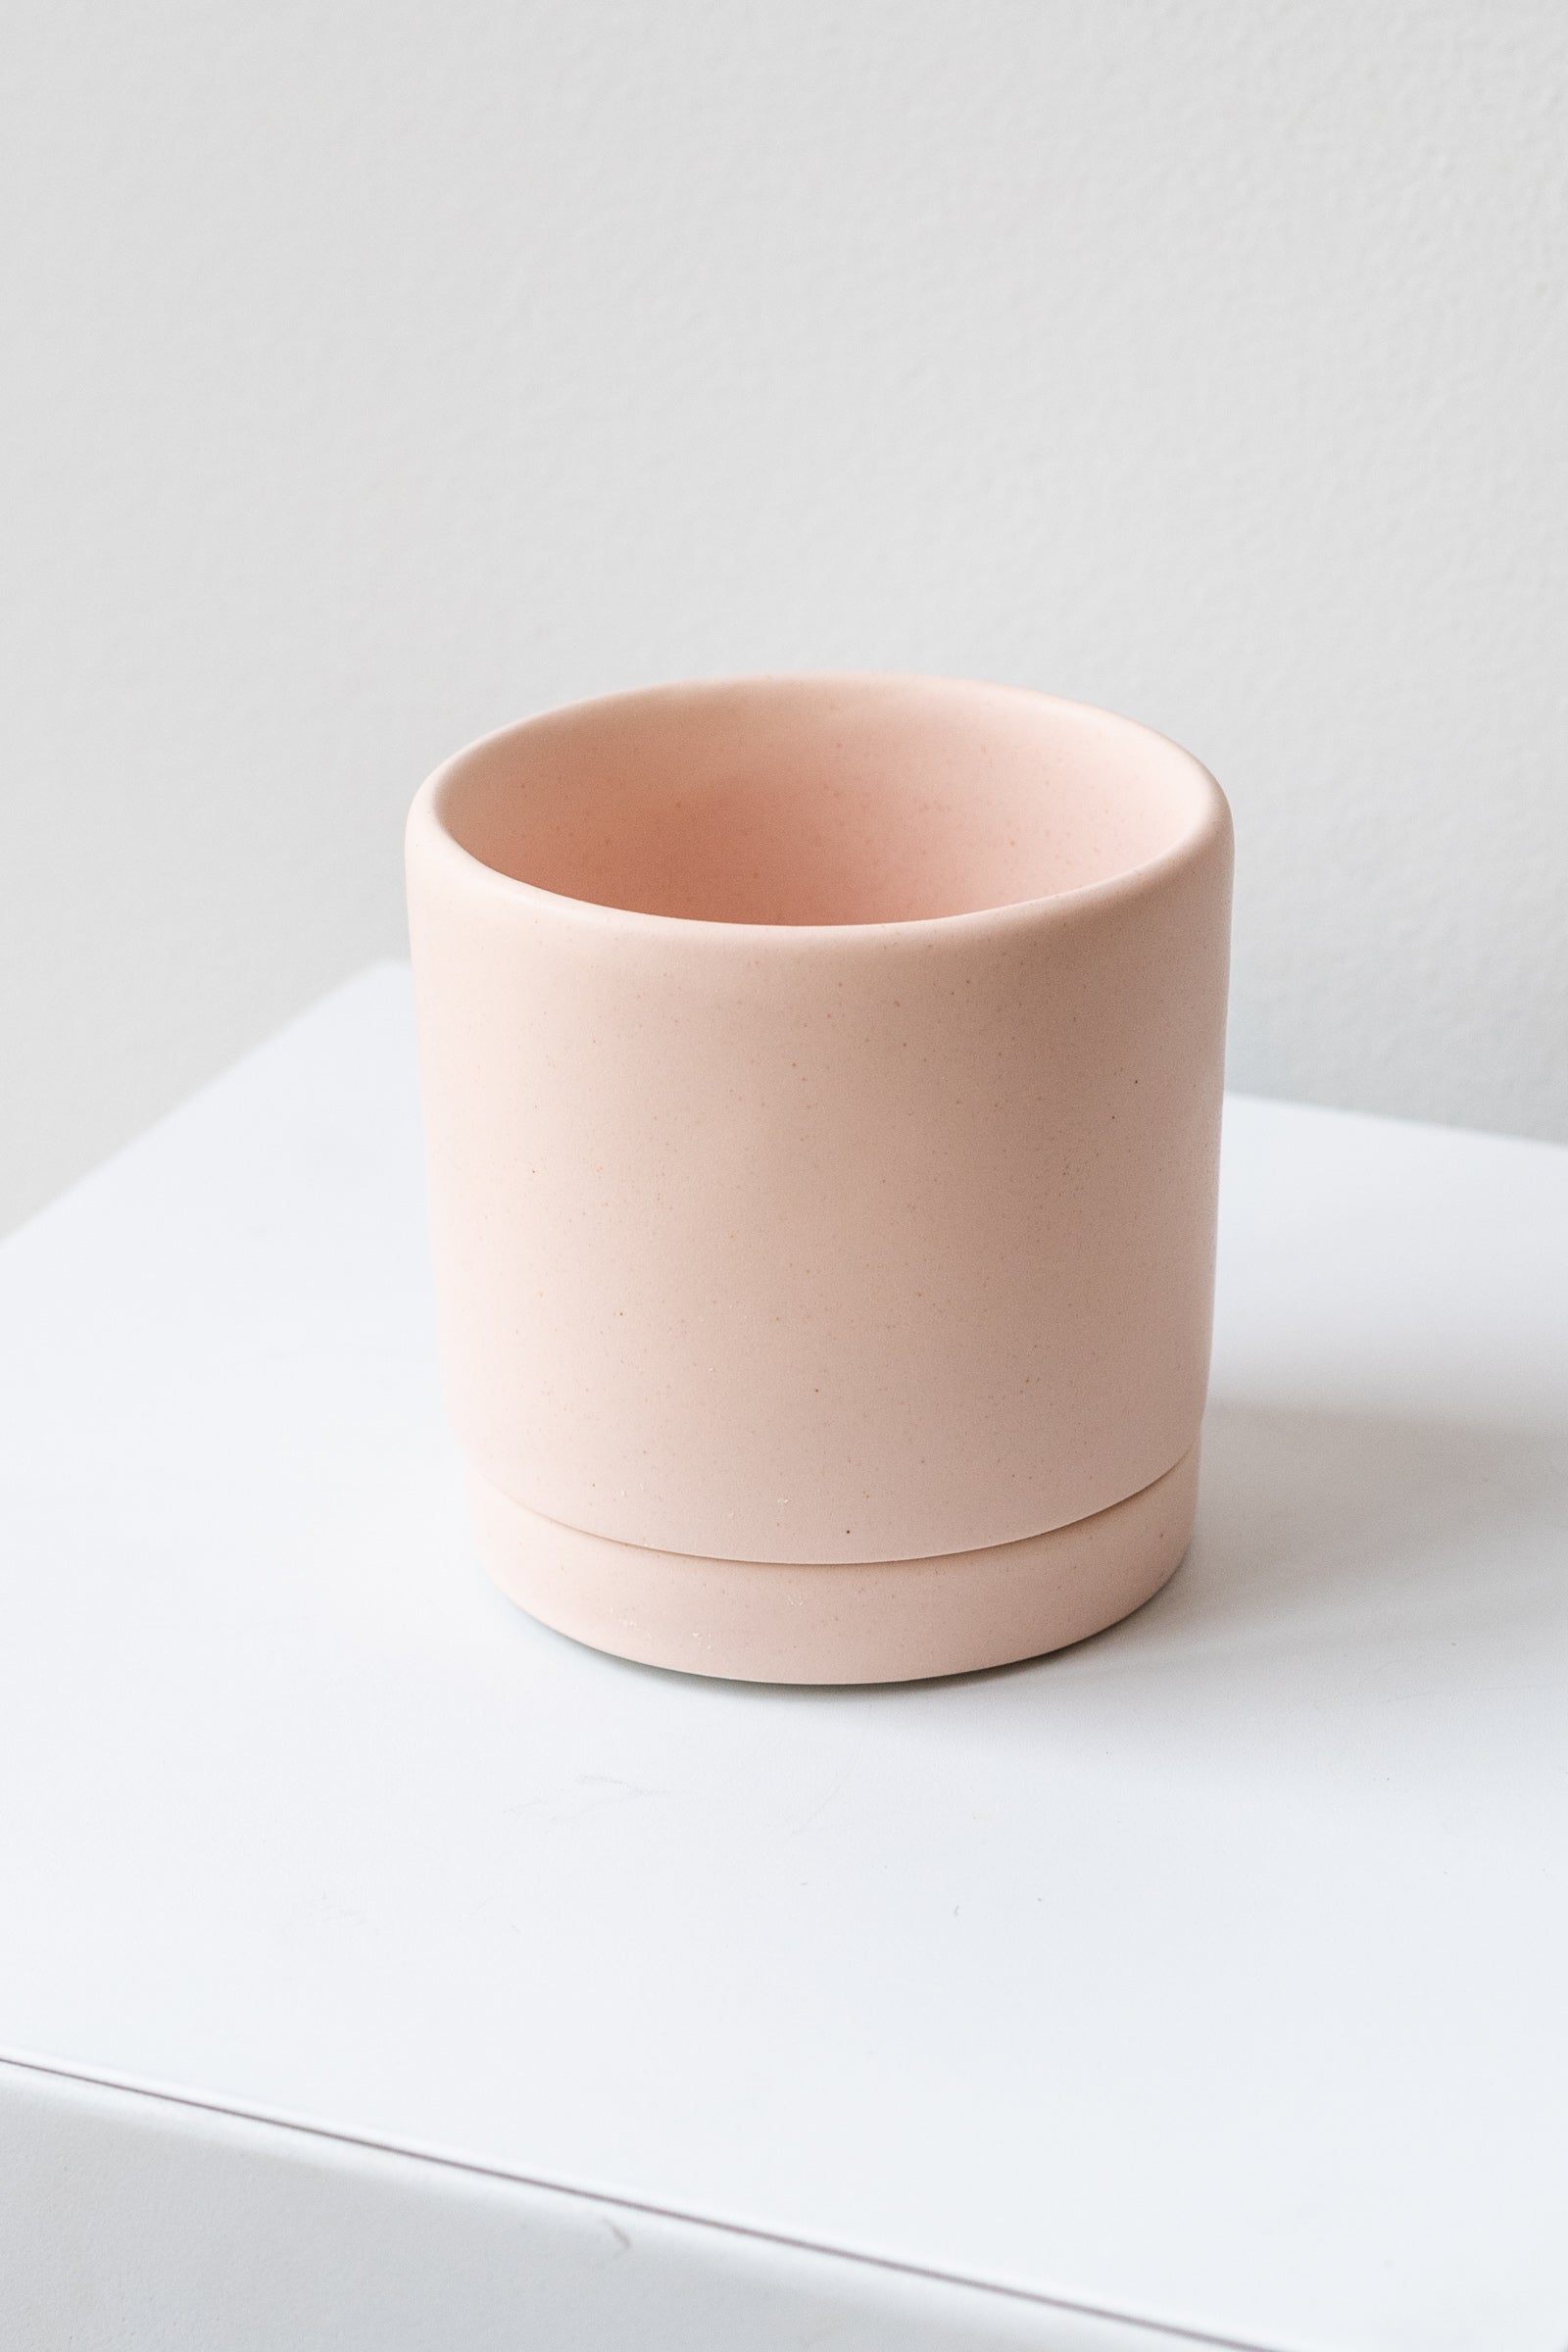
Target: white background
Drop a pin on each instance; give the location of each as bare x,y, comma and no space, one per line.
376,374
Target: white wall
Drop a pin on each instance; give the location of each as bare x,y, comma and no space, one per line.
375,373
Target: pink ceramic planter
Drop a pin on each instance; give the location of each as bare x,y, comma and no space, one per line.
823,1090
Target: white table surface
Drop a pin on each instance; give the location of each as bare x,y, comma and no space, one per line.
1213,1973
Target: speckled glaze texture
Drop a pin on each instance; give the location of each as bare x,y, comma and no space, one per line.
822,1092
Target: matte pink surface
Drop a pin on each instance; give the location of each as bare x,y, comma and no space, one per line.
822,1086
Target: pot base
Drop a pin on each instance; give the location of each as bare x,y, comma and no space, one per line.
889,1621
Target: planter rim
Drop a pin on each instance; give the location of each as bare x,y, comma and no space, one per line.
428,827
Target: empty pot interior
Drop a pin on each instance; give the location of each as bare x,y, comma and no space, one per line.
821,800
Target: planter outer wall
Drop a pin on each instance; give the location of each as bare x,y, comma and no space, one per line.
820,1245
